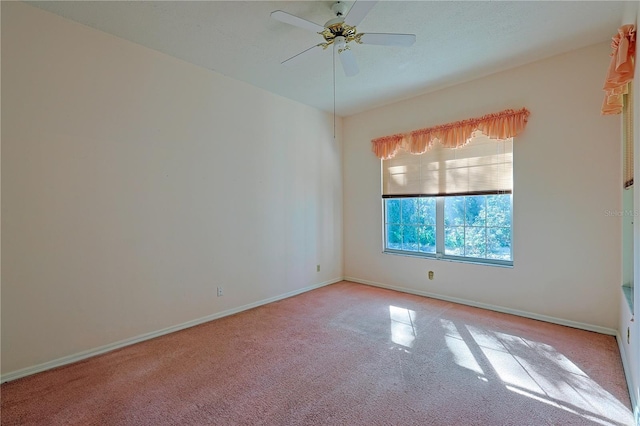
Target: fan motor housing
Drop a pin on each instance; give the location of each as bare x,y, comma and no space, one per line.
335,28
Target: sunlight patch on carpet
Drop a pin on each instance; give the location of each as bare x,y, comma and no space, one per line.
462,355
535,369
403,331
560,406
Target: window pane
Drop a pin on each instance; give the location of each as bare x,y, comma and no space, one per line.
454,211
410,238
427,239
475,210
394,237
454,240
475,242
427,210
499,243
409,210
393,211
499,210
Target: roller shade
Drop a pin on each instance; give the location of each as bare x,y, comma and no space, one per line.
483,166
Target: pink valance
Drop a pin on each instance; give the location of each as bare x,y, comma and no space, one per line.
621,69
501,125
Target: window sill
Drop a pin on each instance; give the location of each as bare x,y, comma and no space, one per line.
628,294
448,259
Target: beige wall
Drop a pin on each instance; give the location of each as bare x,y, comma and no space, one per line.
567,251
134,184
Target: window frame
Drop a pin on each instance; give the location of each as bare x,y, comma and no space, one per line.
440,236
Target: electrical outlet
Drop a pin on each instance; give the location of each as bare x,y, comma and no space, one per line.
430,275
317,268
220,292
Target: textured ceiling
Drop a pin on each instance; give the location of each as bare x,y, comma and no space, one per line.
456,41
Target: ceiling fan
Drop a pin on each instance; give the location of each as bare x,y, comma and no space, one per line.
340,31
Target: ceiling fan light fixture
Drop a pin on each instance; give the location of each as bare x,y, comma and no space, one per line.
340,43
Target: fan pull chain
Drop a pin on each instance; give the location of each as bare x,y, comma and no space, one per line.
334,92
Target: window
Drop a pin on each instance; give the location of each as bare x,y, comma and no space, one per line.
474,227
451,203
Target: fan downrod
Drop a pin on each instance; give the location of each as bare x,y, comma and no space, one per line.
339,8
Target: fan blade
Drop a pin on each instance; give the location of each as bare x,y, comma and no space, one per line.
349,64
303,55
388,39
358,11
290,19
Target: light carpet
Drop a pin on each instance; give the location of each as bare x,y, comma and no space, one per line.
345,354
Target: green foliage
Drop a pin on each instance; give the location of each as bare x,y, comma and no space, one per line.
411,224
475,226
454,211
454,240
393,210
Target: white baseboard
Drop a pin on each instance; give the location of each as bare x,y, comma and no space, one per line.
126,342
141,338
554,320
